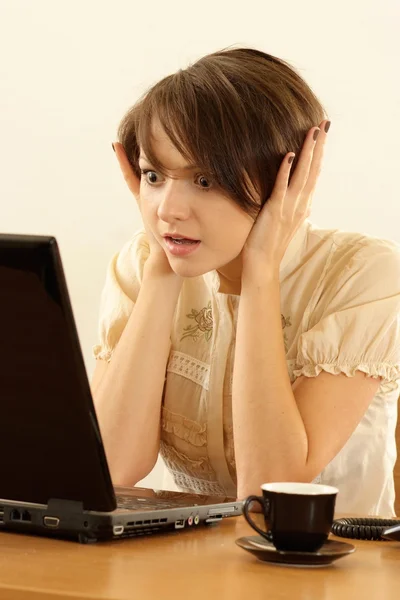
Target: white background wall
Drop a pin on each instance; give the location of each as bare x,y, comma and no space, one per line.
70,69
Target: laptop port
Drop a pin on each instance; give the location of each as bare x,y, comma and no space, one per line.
214,519
180,524
15,515
216,511
163,520
118,529
51,522
26,516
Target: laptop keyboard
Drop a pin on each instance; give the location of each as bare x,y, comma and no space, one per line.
135,503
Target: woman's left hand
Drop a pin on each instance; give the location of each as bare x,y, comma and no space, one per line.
286,209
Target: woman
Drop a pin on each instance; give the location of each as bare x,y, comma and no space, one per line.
236,338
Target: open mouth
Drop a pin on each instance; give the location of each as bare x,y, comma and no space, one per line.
181,247
182,241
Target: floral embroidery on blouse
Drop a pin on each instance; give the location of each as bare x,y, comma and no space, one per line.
204,323
285,323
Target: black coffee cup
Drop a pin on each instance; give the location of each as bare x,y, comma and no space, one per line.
298,516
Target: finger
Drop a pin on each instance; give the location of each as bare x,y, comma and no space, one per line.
130,176
301,174
282,178
316,164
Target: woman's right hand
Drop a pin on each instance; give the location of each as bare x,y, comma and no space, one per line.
157,260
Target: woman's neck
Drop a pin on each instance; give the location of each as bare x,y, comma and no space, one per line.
230,276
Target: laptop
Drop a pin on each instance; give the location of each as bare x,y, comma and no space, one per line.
55,480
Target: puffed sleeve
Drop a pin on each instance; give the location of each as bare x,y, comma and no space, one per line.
355,324
123,280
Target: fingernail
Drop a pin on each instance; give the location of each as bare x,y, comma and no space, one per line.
316,133
327,125
113,147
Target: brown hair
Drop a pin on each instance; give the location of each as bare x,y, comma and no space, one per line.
233,113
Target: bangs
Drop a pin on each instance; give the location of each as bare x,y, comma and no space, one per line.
159,106
203,129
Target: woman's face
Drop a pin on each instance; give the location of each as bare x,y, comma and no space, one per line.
187,203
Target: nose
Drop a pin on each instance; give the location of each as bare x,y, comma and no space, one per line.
174,203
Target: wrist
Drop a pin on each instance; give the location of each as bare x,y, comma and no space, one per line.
155,271
262,277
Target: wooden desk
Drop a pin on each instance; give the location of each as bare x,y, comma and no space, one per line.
196,564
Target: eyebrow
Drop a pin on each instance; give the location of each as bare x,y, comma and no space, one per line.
183,168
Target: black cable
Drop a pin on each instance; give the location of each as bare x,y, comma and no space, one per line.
362,529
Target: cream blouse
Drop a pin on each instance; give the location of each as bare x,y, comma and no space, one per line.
340,307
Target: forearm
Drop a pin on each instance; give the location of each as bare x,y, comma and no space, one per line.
128,400
270,438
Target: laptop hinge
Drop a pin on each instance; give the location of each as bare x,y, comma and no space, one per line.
72,507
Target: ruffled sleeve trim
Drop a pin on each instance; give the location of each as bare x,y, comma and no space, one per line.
389,373
100,354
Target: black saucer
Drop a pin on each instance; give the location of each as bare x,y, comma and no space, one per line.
266,551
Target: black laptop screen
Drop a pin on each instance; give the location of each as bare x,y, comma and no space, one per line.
49,441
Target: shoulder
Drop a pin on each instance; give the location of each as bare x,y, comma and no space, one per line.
369,260
124,274
354,254
134,250
350,273
130,260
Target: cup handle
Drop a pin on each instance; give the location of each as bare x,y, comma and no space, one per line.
265,507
